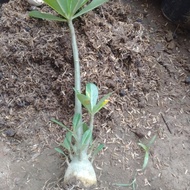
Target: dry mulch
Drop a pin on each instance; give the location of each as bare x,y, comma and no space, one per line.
144,69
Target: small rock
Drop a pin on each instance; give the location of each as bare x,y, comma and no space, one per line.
169,36
110,84
139,20
141,102
187,81
158,47
29,99
22,103
130,88
140,71
141,105
122,93
137,25
138,63
146,88
10,132
171,45
156,54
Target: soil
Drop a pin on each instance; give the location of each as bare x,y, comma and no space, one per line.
127,48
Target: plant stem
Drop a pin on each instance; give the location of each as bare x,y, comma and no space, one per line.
91,121
78,106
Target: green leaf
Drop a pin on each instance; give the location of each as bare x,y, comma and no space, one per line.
146,149
101,103
76,121
55,5
84,2
152,141
94,4
60,151
76,5
63,5
66,144
85,127
61,124
123,185
69,137
85,101
133,184
70,7
143,146
86,137
92,94
37,14
98,149
146,158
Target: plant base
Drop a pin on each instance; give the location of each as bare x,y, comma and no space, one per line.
80,171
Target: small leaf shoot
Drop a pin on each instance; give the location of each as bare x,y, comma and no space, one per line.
101,103
94,4
133,184
92,94
146,148
86,137
66,144
60,151
61,124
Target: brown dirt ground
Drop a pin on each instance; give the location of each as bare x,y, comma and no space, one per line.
125,48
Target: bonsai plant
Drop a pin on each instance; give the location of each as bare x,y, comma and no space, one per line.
78,141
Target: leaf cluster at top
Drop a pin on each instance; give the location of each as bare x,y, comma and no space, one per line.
68,9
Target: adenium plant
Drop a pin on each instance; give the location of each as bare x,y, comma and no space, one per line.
78,141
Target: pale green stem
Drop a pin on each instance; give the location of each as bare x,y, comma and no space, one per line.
78,106
91,121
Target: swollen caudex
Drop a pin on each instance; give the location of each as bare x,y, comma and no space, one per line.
80,170
36,2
